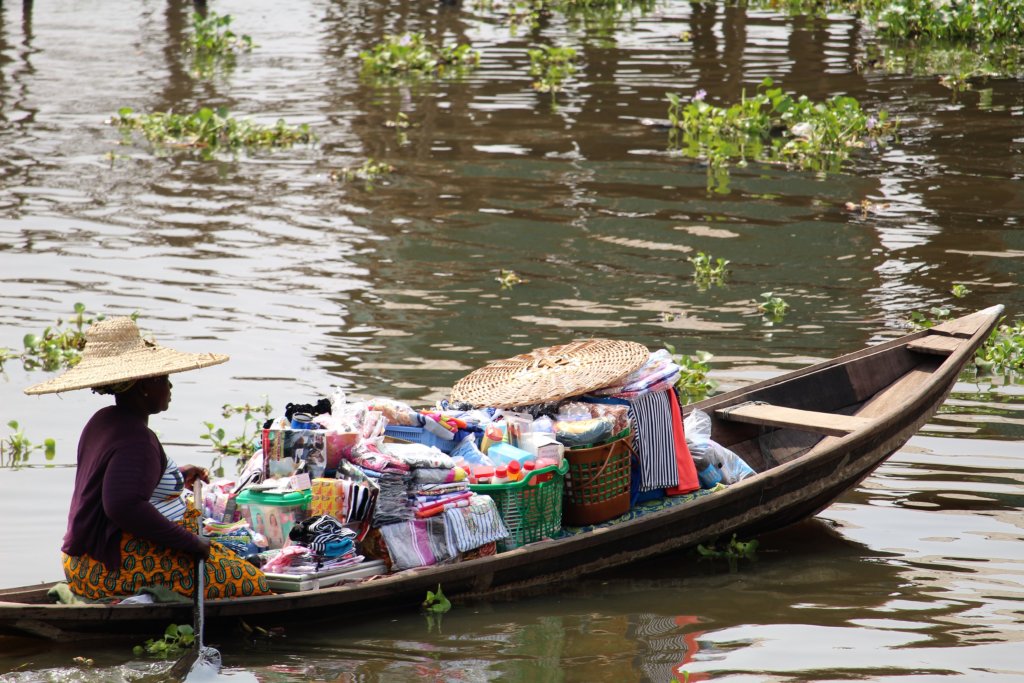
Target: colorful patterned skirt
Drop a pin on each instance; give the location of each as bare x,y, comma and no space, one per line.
146,564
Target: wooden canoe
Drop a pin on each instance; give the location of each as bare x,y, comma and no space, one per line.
810,435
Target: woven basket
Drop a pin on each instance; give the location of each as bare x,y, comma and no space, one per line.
597,484
550,374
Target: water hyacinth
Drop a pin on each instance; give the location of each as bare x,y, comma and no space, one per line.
208,130
959,20
772,126
412,55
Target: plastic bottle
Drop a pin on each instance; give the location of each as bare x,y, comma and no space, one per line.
515,470
500,475
529,467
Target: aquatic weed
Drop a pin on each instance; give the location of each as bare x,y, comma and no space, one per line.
733,552
242,445
209,130
176,639
708,270
953,20
773,126
920,320
55,347
213,44
15,449
551,65
509,279
773,308
370,171
1003,351
411,55
693,384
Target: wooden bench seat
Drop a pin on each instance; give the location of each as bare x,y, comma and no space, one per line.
935,343
769,415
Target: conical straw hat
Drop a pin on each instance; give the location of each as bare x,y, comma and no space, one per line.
115,352
550,374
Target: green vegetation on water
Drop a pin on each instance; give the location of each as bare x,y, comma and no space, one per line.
16,448
209,130
213,44
708,270
55,347
773,126
176,639
369,171
773,308
411,55
550,66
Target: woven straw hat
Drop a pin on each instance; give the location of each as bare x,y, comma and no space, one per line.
116,352
551,373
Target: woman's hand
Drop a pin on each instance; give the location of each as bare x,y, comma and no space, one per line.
191,473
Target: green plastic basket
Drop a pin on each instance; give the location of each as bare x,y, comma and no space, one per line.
531,509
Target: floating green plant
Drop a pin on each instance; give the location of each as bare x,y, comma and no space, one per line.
369,171
412,55
772,126
176,639
597,17
550,66
1003,351
958,66
56,347
213,44
242,445
16,448
209,130
734,551
923,320
509,279
708,270
977,21
772,307
959,291
693,383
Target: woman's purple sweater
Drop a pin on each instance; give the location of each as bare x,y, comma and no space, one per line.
120,461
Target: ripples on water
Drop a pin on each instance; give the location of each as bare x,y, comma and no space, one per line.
389,289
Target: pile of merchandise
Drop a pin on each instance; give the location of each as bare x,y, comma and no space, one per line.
341,490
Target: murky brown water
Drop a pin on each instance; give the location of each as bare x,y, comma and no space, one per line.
390,290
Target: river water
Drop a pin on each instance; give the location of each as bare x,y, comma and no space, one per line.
389,288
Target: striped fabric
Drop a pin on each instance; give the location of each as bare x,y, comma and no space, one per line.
476,525
166,497
651,415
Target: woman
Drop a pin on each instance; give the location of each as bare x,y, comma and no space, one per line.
130,527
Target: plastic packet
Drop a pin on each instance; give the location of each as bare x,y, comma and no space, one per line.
573,433
574,410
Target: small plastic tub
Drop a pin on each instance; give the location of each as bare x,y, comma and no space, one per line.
274,514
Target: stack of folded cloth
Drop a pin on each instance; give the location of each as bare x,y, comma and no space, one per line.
319,543
437,484
392,476
441,538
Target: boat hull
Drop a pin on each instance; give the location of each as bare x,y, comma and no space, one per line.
892,387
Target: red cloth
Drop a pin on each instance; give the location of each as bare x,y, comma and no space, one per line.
688,480
120,462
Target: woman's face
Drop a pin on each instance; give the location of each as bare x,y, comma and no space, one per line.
156,392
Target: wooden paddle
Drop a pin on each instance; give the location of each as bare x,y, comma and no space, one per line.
198,659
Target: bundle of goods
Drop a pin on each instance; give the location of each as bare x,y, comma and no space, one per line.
322,552
611,407
571,434
715,463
